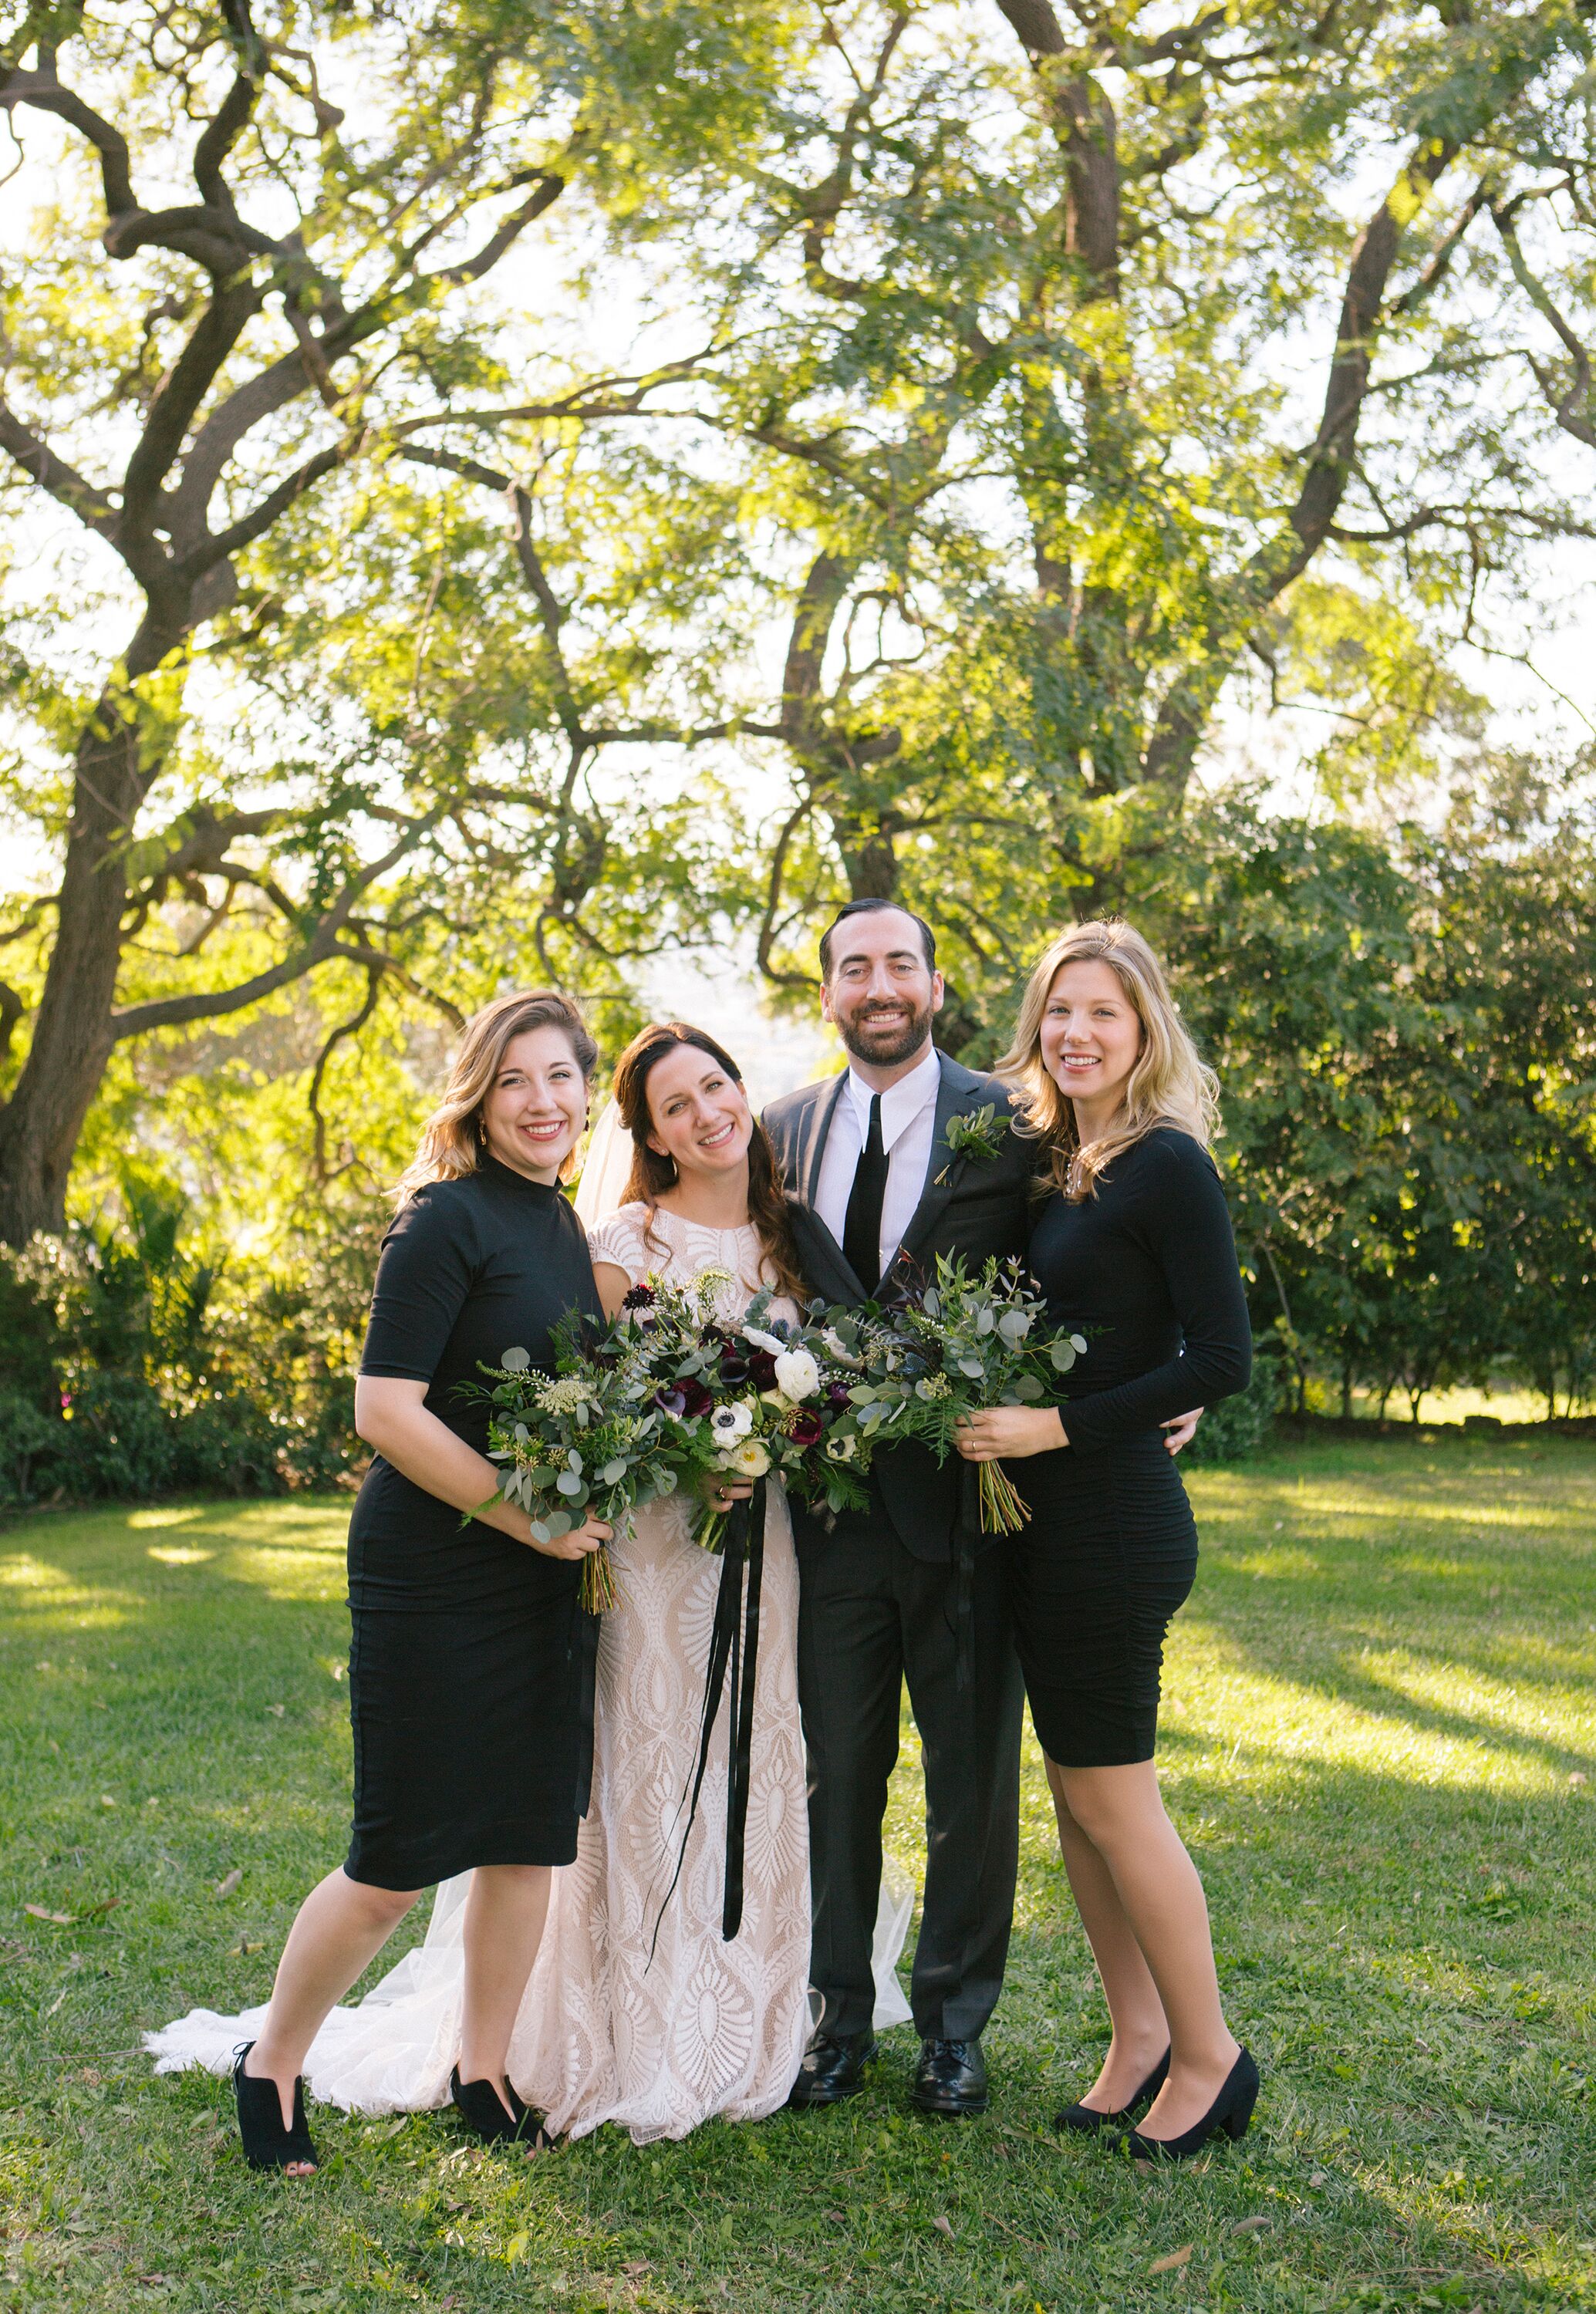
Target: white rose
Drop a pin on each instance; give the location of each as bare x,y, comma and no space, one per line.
798,1376
730,1423
748,1460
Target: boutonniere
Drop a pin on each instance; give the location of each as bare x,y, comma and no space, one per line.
979,1135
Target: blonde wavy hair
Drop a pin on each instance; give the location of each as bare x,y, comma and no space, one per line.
452,1138
1169,1084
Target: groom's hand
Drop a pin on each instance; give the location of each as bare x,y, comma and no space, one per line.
1182,1430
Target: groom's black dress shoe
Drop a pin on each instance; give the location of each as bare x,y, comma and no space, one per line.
951,2080
832,2068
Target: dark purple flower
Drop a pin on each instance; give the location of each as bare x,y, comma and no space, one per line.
734,1369
761,1369
638,1297
698,1399
806,1428
836,1395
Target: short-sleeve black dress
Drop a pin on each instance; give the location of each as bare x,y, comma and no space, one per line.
1146,1269
470,1671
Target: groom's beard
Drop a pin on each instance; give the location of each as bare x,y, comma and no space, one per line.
887,1046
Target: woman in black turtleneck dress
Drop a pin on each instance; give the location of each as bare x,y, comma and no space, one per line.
1133,1250
471,1663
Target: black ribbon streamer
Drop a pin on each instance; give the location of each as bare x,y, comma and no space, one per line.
734,1659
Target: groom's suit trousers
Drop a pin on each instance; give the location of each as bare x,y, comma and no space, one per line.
871,1616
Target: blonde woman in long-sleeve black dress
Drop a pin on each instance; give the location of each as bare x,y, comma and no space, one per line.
1133,1250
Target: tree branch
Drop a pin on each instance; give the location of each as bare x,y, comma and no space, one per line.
44,93
179,396
816,609
40,462
349,1027
549,189
249,527
1566,410
210,1004
12,1009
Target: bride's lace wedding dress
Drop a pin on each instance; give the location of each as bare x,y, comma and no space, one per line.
606,2031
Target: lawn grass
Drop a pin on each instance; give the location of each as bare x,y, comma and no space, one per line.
1378,1726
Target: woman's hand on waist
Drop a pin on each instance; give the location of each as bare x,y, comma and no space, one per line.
1010,1433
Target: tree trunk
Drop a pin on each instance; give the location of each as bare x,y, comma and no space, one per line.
868,861
74,1035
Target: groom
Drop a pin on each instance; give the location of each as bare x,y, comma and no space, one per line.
906,1589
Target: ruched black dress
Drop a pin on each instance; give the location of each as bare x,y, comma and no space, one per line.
471,1671
1146,1269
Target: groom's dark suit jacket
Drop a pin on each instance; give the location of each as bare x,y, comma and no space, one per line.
978,1206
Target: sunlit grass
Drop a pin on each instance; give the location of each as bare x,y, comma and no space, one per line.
1379,1738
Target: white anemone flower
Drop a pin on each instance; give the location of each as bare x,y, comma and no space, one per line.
730,1423
797,1375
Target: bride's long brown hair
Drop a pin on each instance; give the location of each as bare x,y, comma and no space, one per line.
652,1173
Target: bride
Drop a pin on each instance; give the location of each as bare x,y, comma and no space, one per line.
655,2032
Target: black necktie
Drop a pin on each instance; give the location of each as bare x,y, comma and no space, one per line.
861,1230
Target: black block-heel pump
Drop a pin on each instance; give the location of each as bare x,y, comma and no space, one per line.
267,2144
1085,2120
483,2109
1230,2111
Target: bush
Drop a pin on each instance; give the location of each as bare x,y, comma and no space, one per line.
119,1438
30,1444
132,1365
1242,1425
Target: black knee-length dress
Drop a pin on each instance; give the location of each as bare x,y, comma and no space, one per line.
1146,1269
470,1671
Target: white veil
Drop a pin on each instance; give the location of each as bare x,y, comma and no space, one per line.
606,1169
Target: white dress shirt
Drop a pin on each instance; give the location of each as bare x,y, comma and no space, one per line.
908,1125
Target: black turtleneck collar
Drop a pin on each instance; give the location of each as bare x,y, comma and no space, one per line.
493,1169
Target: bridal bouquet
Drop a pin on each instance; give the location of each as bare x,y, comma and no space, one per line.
963,1343
740,1399
578,1446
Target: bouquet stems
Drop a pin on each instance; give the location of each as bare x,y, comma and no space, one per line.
709,1529
597,1590
1003,1509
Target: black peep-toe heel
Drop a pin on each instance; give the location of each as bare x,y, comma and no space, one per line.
481,2108
1085,2120
267,2144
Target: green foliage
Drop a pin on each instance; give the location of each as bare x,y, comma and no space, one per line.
131,1366
1404,1034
